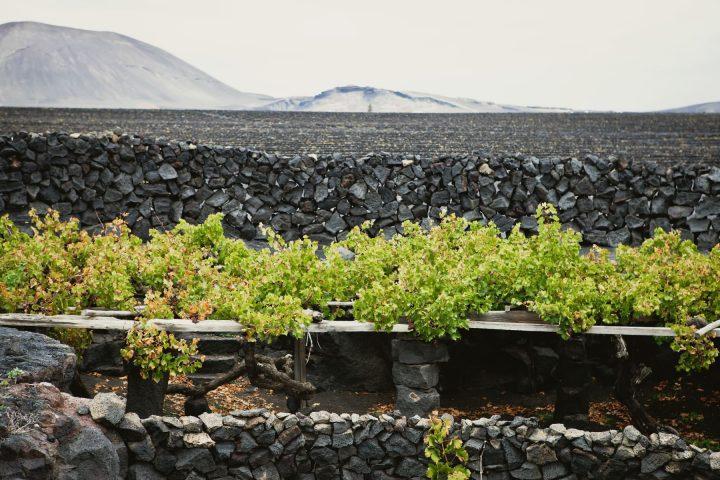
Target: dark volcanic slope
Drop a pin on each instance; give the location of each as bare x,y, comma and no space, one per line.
665,138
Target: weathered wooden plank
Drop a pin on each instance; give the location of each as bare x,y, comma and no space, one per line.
206,326
338,304
710,327
93,312
518,321
89,312
545,327
349,327
112,323
352,326
508,316
65,321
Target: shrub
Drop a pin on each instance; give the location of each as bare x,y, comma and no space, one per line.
157,353
433,280
447,457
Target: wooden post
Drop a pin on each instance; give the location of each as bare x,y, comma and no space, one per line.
629,376
299,366
299,373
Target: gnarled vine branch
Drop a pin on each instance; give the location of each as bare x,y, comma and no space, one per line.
262,371
629,376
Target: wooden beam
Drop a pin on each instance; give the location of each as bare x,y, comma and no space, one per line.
299,354
337,304
108,313
102,312
513,325
95,312
518,321
112,323
65,321
548,328
708,328
349,326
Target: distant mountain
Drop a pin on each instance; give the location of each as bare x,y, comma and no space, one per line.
362,99
709,107
50,66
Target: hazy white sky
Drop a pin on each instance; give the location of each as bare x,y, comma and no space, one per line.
619,55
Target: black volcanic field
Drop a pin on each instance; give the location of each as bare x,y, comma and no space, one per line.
670,139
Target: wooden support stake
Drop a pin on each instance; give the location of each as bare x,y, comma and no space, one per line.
299,366
627,380
294,403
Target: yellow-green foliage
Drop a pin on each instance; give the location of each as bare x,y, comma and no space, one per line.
433,280
38,272
446,454
668,280
157,353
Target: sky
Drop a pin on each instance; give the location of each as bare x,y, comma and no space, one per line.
629,55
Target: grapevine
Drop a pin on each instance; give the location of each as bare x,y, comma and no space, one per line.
433,280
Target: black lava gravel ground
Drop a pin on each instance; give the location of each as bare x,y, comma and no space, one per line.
663,138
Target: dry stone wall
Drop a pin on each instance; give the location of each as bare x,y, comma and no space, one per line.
79,439
156,183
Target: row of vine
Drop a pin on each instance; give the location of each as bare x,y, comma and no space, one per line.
431,279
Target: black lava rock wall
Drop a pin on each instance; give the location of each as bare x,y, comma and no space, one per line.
156,183
80,438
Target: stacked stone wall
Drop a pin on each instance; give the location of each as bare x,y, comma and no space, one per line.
155,183
80,439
